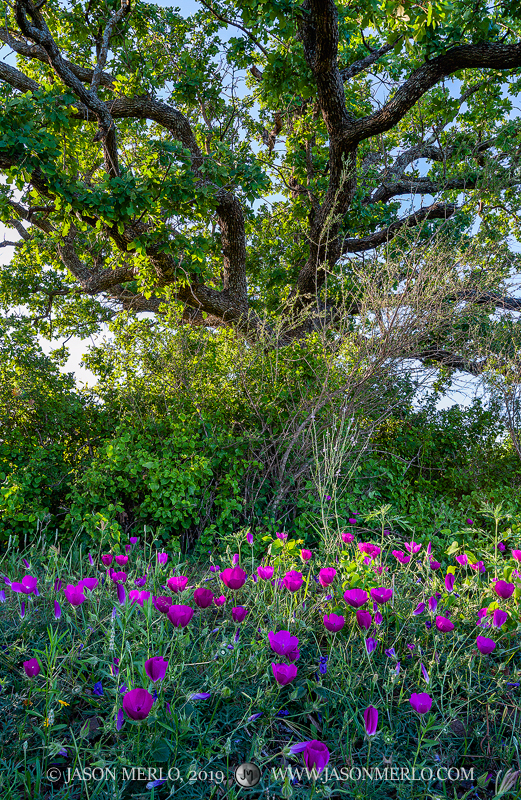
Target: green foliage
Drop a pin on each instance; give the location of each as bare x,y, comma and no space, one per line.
47,429
173,477
186,432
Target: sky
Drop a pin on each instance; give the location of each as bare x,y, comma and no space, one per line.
464,388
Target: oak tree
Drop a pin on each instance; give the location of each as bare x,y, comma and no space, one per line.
234,167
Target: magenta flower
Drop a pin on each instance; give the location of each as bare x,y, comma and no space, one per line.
434,564
429,549
293,655
249,537
356,597
485,645
74,595
378,619
32,668
305,555
281,535
88,583
239,613
155,668
470,522
364,619
433,603
136,596
284,673
499,618
219,601
516,554
326,576
180,615
422,702
293,580
137,703
118,577
121,560
282,642
369,549
162,603
122,595
347,537
57,610
401,557
140,582
215,568
315,755
420,608
233,577
134,539
370,644
444,625
91,562
352,521
266,573
478,566
371,720
462,559
107,559
177,583
504,589
334,622
162,558
425,674
381,595
413,547
235,560
203,598
449,581
27,585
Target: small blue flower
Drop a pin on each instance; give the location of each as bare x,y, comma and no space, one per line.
98,689
155,784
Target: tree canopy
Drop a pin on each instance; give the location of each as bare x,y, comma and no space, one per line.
234,167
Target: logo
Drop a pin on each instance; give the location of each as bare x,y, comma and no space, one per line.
247,775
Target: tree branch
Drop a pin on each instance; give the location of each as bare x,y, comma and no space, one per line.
34,27
477,56
356,67
435,211
84,74
102,58
248,33
450,360
17,79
